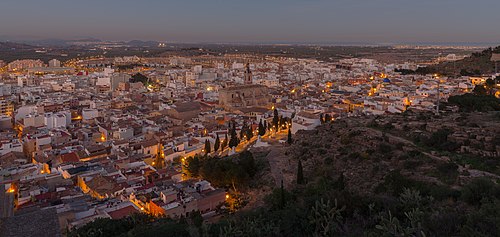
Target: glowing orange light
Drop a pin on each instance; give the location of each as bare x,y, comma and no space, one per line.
11,189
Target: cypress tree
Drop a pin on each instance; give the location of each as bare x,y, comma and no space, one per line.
282,122
224,143
243,131
262,129
341,182
207,146
217,143
276,119
300,174
289,140
233,141
249,132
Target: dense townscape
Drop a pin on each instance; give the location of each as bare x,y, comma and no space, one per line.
99,137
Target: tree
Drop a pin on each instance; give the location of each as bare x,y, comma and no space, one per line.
224,143
217,143
262,129
340,184
328,118
243,131
233,141
300,174
289,140
197,219
138,77
207,146
276,119
479,90
282,196
473,102
193,166
490,84
249,132
281,122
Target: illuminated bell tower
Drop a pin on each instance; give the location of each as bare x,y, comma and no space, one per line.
248,75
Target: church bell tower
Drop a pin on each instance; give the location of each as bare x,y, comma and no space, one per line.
248,75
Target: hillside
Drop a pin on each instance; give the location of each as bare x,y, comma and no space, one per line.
474,65
396,175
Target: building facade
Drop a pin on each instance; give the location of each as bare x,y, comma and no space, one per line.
244,96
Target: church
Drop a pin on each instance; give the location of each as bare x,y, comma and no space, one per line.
244,96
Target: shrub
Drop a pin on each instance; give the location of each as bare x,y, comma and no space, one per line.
478,189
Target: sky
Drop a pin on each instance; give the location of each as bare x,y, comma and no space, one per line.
259,21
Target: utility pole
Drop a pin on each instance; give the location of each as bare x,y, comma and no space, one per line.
436,76
438,91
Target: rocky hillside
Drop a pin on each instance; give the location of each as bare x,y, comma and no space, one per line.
393,175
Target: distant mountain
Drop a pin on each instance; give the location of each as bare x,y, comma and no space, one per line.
85,40
477,64
8,46
140,43
49,42
54,42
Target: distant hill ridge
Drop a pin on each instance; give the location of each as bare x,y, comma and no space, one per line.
475,65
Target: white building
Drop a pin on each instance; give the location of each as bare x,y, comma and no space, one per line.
305,121
54,63
90,114
57,120
10,146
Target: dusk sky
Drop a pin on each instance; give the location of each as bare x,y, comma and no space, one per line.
328,21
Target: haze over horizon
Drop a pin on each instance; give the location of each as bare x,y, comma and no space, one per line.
225,21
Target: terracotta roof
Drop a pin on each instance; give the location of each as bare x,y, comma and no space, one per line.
122,212
70,157
187,106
